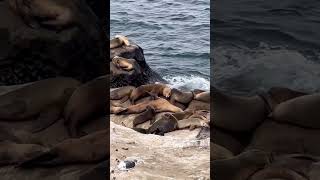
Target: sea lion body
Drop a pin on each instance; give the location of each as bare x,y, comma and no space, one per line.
191,123
160,105
165,124
154,89
87,149
238,113
34,98
204,97
126,64
182,115
116,109
181,97
87,100
276,173
119,41
121,92
148,114
302,111
195,105
219,152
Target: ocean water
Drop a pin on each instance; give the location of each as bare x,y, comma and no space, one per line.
260,44
175,36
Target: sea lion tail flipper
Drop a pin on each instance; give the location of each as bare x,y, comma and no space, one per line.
47,118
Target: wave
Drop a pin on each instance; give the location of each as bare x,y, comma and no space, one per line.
188,82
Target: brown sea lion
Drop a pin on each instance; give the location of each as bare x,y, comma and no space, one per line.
116,109
165,124
237,113
118,41
121,92
277,173
148,114
145,99
218,152
13,153
204,97
240,167
87,100
192,123
91,148
153,89
195,105
302,111
160,105
44,99
126,64
124,102
181,97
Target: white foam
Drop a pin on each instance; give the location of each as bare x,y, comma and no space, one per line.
188,82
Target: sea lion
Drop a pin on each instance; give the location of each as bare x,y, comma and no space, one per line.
145,99
276,173
226,140
237,113
44,99
118,41
13,153
204,97
182,115
240,167
191,123
126,64
116,109
160,105
195,105
87,100
165,124
218,152
181,97
148,114
152,89
91,148
121,92
302,111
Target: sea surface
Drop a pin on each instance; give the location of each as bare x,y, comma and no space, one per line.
258,44
175,36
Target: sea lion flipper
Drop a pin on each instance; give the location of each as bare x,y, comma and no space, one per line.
47,117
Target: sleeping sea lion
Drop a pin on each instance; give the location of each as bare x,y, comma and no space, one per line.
116,109
165,124
91,148
148,114
302,111
192,123
160,105
195,105
153,89
87,100
182,115
118,41
237,113
126,64
181,97
121,92
204,97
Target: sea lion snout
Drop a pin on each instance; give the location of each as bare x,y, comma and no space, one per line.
167,92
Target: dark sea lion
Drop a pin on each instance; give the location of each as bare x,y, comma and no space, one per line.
126,64
13,153
218,152
87,100
121,92
160,105
119,41
43,100
148,114
204,97
237,113
302,111
240,167
153,89
192,123
277,173
195,105
91,148
165,124
181,97
226,140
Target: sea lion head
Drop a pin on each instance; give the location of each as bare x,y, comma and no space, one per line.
167,92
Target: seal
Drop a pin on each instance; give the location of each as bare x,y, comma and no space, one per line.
13,153
126,64
191,123
160,105
119,41
87,149
204,97
302,111
152,89
181,97
236,113
43,99
148,114
87,100
165,124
